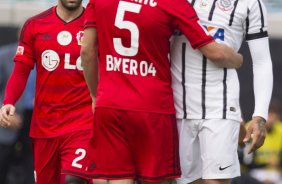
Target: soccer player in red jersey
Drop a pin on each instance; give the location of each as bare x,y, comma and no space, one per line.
134,122
62,117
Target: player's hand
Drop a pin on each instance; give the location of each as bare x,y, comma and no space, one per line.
5,116
256,133
14,122
242,134
1,117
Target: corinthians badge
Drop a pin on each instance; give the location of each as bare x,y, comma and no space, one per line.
225,5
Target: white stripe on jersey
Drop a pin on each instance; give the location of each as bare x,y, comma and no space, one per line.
201,89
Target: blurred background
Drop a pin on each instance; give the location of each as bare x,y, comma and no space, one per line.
269,159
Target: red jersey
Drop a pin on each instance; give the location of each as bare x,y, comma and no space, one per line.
62,100
133,38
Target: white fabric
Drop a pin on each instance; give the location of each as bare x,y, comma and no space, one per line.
207,145
263,75
204,94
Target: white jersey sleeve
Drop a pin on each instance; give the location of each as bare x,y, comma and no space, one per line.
256,24
263,76
257,37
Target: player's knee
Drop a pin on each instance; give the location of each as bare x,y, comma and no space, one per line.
75,180
99,181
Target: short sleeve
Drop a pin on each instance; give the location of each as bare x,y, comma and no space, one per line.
187,21
256,22
90,20
25,52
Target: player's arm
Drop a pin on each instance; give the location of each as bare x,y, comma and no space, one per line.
89,59
188,23
242,134
257,37
14,89
263,84
222,55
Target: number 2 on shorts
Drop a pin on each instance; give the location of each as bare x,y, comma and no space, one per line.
81,154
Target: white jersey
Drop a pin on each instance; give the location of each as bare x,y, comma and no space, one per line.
201,89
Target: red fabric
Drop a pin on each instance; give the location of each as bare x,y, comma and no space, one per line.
62,99
16,83
134,51
130,144
66,154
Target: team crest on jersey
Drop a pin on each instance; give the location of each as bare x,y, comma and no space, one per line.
64,38
20,50
79,37
225,5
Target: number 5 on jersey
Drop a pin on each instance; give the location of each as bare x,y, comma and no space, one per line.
131,26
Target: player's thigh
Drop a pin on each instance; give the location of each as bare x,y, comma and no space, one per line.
46,160
75,152
112,158
189,150
153,140
218,144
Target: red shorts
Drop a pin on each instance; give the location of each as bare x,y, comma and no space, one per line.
65,154
137,145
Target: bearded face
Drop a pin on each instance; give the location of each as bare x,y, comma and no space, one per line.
70,4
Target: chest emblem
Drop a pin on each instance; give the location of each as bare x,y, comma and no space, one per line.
64,38
225,5
79,37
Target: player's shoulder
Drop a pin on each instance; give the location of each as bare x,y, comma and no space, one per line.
41,15
251,3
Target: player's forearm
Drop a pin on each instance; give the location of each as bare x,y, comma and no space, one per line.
16,83
229,58
263,84
263,76
222,55
90,75
89,59
90,69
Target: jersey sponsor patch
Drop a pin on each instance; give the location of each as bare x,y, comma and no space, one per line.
217,33
50,60
130,66
20,50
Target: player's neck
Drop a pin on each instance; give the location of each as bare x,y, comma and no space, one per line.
68,15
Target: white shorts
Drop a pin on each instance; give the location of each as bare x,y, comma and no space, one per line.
208,149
